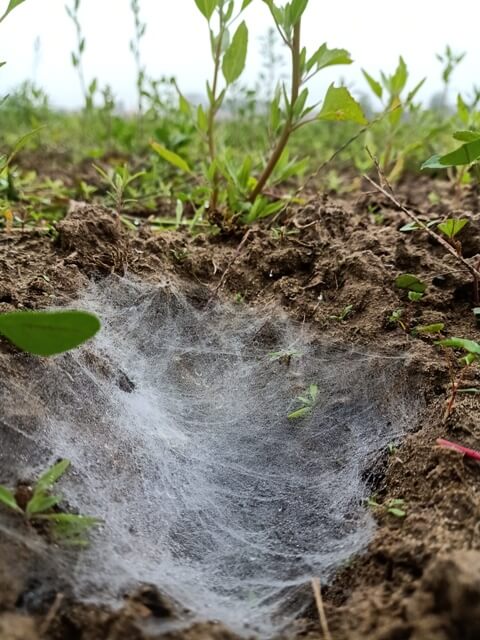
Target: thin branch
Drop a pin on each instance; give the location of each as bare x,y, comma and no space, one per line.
230,265
433,234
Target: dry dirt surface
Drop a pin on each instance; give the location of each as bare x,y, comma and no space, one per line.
419,579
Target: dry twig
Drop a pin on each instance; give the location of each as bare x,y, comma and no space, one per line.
317,592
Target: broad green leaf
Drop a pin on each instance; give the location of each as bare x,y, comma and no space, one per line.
452,226
171,157
10,7
325,57
464,155
206,7
8,499
48,479
236,55
41,502
466,135
375,86
461,343
411,283
341,106
47,333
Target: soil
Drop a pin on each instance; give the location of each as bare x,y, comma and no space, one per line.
419,579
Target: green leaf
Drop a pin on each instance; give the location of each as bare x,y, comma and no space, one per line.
410,282
206,7
10,7
466,135
47,333
300,413
375,86
464,155
52,475
41,502
430,328
341,106
171,157
245,4
70,528
461,343
8,499
462,110
325,57
415,296
236,55
398,513
296,11
399,78
452,226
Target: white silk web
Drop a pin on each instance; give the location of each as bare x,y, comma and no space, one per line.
175,420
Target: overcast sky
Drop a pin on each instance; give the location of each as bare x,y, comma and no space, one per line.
176,42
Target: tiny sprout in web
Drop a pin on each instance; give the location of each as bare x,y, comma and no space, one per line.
40,508
307,403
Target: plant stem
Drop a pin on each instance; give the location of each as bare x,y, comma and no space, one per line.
213,112
289,124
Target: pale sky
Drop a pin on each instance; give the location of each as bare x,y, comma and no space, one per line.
374,31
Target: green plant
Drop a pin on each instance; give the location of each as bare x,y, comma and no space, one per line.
140,28
472,350
47,333
285,355
88,91
413,285
233,192
344,313
307,403
119,180
389,90
450,62
39,507
394,507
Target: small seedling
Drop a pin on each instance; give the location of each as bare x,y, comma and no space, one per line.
307,403
415,287
396,318
472,350
39,507
394,507
429,329
343,314
119,181
285,355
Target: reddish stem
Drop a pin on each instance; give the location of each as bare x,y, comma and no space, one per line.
470,453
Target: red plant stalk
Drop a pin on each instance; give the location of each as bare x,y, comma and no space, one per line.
470,453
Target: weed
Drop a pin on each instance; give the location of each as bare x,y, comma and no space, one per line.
344,313
307,403
39,507
119,181
394,507
472,350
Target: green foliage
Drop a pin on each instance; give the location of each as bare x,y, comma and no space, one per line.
410,283
68,528
10,7
47,333
452,227
307,403
394,507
